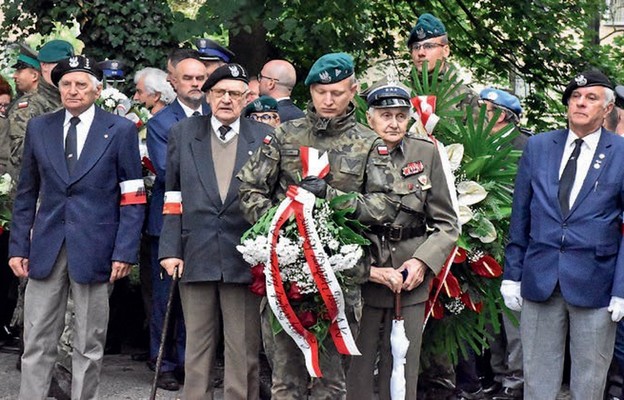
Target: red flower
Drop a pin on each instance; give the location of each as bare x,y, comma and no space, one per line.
451,285
460,256
258,280
476,307
437,310
307,318
293,292
487,267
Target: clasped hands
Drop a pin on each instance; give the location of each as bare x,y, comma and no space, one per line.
393,278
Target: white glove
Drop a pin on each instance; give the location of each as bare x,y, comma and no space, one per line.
511,294
616,308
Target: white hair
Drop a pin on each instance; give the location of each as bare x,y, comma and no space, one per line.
95,81
609,96
155,81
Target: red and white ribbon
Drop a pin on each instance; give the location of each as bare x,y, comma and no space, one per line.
425,107
300,202
446,269
172,203
132,192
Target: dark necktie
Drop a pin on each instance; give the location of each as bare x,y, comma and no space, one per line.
567,178
223,130
71,144
196,114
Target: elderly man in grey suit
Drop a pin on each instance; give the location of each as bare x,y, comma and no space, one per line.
204,154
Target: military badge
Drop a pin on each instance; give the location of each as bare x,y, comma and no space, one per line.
290,152
115,65
22,104
492,95
234,71
412,168
337,72
424,182
324,76
420,33
257,105
581,80
203,43
267,139
382,150
73,62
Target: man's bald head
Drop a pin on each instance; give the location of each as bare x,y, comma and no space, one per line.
277,78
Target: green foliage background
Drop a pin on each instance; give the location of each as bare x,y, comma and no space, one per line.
542,41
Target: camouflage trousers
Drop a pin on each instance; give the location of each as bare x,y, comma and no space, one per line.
290,377
64,356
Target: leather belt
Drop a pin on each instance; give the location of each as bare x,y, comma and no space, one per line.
396,233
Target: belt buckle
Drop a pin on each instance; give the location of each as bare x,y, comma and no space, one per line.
395,233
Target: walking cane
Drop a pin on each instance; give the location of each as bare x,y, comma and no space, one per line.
163,336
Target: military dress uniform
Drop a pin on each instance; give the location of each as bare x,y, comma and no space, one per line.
358,163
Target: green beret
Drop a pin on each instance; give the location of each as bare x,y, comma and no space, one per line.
426,27
330,68
261,104
55,51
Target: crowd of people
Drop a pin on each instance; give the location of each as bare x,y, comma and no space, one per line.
224,148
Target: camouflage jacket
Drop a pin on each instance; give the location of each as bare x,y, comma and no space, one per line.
359,162
43,100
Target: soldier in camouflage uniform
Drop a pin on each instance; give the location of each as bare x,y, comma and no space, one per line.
428,43
359,163
41,99
416,244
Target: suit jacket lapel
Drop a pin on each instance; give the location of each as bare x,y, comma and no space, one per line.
604,147
554,162
201,150
55,146
245,145
98,139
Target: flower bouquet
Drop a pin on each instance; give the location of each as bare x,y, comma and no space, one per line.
114,101
302,253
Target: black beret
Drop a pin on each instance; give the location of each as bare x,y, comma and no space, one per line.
76,64
227,71
587,78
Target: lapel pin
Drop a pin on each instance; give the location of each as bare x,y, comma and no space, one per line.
106,136
250,152
601,156
597,166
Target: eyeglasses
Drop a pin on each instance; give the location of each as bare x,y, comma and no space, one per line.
234,94
426,46
261,77
263,117
4,105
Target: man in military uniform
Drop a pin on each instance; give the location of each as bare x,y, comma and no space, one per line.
42,98
510,111
359,163
403,247
428,45
212,54
263,109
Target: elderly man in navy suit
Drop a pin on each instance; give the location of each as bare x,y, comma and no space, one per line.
202,226
76,225
189,74
564,265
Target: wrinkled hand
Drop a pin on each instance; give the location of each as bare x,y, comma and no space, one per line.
415,273
170,264
19,265
119,270
389,277
511,294
314,185
616,308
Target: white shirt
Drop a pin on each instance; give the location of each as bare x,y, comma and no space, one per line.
234,128
82,129
588,148
188,111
